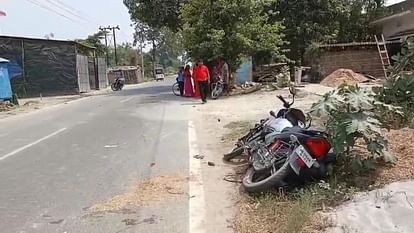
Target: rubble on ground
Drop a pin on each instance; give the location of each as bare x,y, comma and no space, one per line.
246,88
6,106
344,76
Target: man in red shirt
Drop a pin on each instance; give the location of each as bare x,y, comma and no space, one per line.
202,75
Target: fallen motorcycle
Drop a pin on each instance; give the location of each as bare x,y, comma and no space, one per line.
268,128
296,154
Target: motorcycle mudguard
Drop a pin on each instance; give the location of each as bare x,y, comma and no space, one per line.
294,163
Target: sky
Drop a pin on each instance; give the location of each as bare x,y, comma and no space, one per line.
67,19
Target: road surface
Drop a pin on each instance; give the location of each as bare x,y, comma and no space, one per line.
58,162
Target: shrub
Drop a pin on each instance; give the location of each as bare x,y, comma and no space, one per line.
399,89
349,113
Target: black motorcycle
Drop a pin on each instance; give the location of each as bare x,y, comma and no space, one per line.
297,154
118,84
266,129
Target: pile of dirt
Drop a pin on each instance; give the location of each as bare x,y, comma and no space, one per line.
343,76
145,193
400,144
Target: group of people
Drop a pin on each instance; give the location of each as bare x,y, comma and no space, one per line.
195,83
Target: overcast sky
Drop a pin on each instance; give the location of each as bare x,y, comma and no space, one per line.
66,19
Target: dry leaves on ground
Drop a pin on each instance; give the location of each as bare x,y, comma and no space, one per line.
401,144
146,193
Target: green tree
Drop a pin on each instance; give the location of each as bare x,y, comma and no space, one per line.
127,55
156,13
232,29
95,40
325,21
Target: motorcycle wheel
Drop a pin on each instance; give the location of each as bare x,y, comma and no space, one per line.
113,87
233,154
216,92
254,181
176,89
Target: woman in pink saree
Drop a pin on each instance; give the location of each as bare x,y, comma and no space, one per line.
188,84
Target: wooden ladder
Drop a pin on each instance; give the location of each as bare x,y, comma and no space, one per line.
383,52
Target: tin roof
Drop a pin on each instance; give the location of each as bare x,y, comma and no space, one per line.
42,39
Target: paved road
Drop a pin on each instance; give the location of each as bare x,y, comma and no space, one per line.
57,162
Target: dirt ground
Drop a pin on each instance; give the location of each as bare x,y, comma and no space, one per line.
222,121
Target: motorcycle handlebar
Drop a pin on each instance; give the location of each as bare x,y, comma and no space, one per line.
285,103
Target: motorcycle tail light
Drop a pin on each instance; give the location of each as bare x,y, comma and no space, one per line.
319,147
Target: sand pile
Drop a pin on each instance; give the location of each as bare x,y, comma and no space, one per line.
343,76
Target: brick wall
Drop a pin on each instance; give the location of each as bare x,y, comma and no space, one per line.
360,60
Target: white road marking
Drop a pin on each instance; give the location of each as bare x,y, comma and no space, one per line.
197,210
31,144
111,146
127,99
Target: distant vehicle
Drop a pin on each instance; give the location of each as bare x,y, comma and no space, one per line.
159,74
118,84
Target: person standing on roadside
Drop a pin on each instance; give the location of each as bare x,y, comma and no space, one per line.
202,75
225,73
180,80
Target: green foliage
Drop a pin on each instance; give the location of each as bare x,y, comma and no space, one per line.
350,114
399,89
232,29
325,21
156,13
95,40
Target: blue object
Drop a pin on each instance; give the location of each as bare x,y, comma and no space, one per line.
14,70
5,87
244,73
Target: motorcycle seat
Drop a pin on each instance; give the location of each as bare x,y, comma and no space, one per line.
299,130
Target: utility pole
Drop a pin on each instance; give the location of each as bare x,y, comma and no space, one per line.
114,34
141,45
106,44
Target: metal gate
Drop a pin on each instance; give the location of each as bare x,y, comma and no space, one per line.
102,75
83,73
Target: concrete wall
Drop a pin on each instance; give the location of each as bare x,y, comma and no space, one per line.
360,60
400,24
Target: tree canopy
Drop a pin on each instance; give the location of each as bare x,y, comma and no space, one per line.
238,28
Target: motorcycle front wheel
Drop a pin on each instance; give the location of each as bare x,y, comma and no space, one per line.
216,92
176,89
255,181
114,87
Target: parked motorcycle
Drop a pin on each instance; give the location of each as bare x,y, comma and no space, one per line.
217,88
118,84
268,128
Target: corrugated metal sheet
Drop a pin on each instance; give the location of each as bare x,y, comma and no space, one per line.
83,73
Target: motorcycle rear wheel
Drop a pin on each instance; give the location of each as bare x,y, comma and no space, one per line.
271,181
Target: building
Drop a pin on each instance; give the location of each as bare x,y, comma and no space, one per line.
53,67
362,57
399,24
132,74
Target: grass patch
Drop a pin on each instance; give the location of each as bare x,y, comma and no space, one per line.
293,212
236,130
